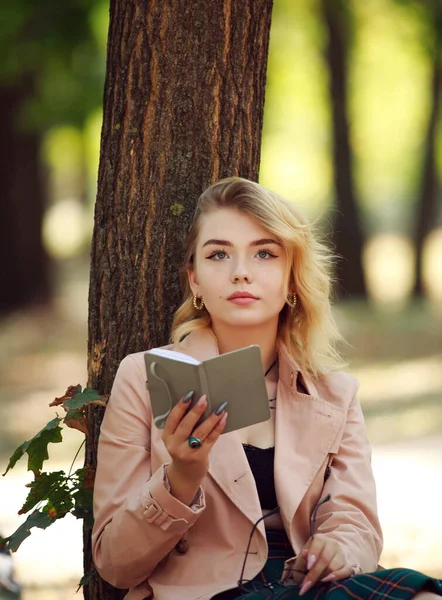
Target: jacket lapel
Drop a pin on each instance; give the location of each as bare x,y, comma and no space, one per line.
307,428
230,469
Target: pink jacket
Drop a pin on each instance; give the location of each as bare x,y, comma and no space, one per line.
141,530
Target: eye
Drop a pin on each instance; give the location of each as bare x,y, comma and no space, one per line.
265,254
218,255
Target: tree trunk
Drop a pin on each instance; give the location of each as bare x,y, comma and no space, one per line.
24,263
183,107
348,236
426,210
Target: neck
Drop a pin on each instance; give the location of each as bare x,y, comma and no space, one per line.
265,336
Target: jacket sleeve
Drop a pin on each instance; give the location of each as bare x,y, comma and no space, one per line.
350,516
137,521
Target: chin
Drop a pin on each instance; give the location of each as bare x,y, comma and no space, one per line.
245,320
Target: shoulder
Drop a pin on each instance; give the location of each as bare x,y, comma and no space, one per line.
337,387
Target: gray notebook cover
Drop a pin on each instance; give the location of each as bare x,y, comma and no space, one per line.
236,377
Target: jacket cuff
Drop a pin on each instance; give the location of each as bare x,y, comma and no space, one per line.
166,511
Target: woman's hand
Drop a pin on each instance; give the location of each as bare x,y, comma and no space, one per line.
325,562
189,465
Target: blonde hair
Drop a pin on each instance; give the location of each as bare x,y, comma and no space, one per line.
309,330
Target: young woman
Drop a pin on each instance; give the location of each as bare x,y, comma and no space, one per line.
281,509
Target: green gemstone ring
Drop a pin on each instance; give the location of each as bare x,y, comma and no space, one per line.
194,442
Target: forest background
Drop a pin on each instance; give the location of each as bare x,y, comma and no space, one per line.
51,86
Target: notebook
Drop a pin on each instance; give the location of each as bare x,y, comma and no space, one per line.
236,377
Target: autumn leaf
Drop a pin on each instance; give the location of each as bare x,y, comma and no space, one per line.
72,389
60,502
78,400
75,419
36,519
37,447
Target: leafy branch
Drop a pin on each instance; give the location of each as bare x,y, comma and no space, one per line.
52,495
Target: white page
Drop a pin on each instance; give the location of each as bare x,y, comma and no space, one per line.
175,355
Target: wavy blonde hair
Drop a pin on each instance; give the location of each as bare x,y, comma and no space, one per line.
308,331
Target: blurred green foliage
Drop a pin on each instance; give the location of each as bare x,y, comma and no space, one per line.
55,50
59,49
393,44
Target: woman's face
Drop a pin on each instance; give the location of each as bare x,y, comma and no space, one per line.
239,269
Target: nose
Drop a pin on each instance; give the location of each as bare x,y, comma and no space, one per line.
241,273
244,277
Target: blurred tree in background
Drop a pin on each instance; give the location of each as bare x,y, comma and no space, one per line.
347,229
429,190
347,114
51,73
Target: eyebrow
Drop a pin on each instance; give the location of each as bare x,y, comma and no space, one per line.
260,242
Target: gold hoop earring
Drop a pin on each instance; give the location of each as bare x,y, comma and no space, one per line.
292,300
199,306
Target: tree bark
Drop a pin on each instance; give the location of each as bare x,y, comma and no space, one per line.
25,265
347,231
183,107
426,210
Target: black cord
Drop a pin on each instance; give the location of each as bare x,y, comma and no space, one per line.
315,510
271,367
276,510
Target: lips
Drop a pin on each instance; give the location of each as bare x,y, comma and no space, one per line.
242,295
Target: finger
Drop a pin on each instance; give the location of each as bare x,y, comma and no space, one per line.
187,424
204,429
339,574
318,571
314,549
337,563
318,567
177,413
217,430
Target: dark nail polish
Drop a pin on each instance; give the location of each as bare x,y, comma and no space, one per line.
221,408
188,397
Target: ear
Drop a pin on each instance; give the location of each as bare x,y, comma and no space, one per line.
193,281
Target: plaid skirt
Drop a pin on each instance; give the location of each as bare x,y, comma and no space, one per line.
397,584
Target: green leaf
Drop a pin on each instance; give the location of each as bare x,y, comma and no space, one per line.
87,577
83,499
41,488
79,400
37,447
73,414
60,500
36,519
16,456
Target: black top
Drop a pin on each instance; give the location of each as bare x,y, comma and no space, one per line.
261,463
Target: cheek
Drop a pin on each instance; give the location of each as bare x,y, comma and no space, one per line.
210,271
211,279
275,279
